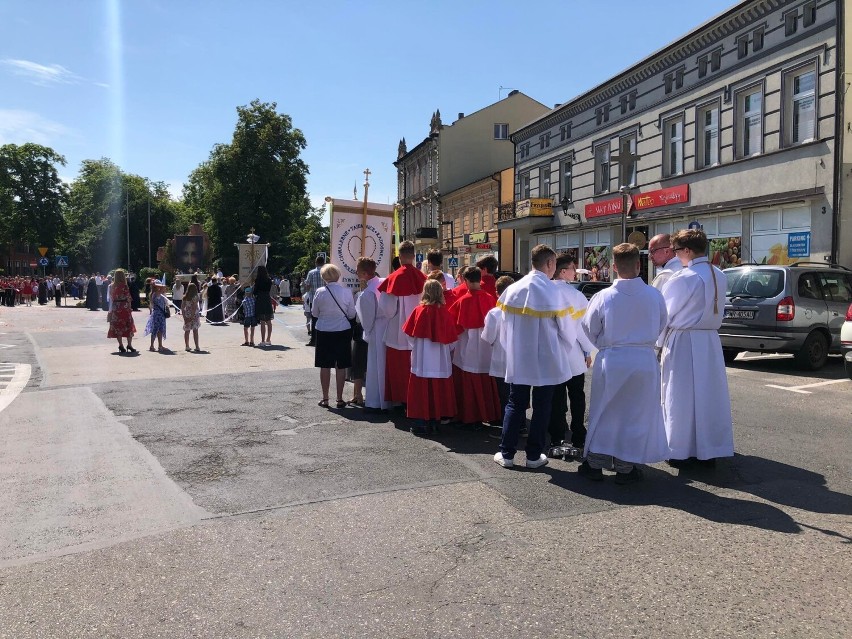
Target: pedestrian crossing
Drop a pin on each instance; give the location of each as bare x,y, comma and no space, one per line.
13,379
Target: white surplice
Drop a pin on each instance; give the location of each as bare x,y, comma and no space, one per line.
396,311
472,354
538,331
491,335
374,325
669,269
430,359
577,356
696,403
625,416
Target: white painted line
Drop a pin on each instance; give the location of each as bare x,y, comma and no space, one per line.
798,389
16,385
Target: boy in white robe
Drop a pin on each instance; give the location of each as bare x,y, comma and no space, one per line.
491,335
625,418
696,402
374,325
538,332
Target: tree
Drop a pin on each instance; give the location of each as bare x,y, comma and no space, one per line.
31,195
257,181
304,242
101,199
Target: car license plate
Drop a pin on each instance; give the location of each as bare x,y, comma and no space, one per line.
732,314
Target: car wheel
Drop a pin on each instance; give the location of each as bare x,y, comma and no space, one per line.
848,368
730,354
813,353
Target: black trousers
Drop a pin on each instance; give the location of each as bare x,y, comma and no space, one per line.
573,394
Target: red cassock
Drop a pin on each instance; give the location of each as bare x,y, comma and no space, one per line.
404,281
489,284
476,392
431,393
451,295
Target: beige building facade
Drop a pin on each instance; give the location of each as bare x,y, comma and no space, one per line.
732,128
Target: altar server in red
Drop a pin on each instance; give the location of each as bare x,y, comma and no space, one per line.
488,266
400,295
476,392
431,331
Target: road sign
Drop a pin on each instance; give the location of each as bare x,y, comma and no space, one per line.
42,250
453,262
694,226
420,257
43,261
62,261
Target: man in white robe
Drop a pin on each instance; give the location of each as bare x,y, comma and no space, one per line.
662,255
625,417
538,332
696,403
367,308
400,295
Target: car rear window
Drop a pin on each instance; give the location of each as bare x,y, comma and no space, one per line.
754,282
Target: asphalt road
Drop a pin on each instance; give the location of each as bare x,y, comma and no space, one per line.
207,495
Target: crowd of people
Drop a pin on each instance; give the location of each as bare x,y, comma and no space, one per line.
485,350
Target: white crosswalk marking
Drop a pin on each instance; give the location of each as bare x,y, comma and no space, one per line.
11,387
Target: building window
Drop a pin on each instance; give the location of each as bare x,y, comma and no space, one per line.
702,66
757,38
791,22
525,149
602,114
525,186
565,132
544,140
800,106
716,60
627,161
750,121
628,102
679,78
566,179
742,47
602,168
673,146
808,13
707,123
668,80
544,180
501,131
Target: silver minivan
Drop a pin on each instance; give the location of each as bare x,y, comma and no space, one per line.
796,309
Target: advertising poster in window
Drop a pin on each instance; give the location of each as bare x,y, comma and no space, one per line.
726,252
774,249
596,260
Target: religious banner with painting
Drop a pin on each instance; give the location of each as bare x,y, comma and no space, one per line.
596,261
349,241
251,256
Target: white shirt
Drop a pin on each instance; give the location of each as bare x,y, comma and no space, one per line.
449,281
177,291
491,335
577,356
669,269
397,310
285,288
325,308
430,359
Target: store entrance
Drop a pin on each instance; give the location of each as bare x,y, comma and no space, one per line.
638,235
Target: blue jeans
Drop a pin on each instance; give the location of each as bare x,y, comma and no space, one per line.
516,410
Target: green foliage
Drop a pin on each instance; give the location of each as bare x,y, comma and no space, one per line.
31,195
145,273
304,242
256,182
100,201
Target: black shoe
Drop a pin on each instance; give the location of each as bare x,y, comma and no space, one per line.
130,349
121,349
311,344
595,474
679,463
706,463
632,477
419,431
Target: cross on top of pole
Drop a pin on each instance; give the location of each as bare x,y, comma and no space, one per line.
367,173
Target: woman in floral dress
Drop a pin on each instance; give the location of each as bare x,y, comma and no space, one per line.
120,316
156,326
191,311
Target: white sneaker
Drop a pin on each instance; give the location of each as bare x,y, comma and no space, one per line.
537,463
503,461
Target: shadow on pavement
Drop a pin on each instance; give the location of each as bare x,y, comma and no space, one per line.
833,368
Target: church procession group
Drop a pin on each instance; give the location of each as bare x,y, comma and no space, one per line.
480,350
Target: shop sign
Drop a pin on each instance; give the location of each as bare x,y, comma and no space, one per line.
799,244
483,246
607,207
536,207
477,238
663,197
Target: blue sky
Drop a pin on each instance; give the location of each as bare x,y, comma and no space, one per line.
154,84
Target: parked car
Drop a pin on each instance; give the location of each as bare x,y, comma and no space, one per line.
590,288
796,309
846,341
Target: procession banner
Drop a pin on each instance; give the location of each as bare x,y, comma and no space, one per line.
346,244
251,256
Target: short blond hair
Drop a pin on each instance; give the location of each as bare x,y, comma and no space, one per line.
330,273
